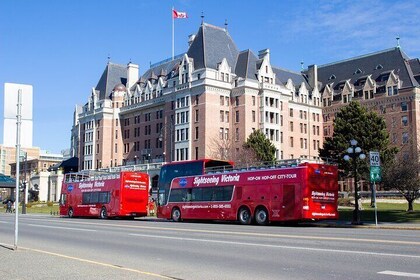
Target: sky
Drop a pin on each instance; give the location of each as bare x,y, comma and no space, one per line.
62,47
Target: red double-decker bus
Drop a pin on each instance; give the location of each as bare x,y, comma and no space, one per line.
307,191
123,194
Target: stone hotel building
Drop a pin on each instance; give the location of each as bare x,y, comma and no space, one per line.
212,97
183,109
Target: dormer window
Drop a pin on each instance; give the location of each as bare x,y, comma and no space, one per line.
358,71
332,77
361,81
378,67
383,77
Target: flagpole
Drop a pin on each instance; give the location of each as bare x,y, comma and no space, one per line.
173,32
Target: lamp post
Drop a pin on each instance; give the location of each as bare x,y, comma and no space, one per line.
354,152
163,138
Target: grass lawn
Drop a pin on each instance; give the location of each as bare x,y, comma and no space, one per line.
40,208
387,212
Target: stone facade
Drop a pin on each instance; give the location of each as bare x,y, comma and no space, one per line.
203,104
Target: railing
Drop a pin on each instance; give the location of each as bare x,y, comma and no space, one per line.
89,175
109,173
266,165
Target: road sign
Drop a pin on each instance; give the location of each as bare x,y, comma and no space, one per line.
375,174
374,159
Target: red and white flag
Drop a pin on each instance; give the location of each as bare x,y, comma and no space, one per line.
176,14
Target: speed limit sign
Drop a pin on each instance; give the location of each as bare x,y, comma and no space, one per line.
374,159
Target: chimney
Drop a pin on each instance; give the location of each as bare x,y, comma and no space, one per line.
132,74
264,54
313,76
191,39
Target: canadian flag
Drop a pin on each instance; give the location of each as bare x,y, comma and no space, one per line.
176,14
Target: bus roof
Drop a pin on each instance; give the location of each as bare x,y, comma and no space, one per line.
90,175
207,162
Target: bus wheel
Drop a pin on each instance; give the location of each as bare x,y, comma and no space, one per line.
176,215
70,213
244,216
261,216
103,213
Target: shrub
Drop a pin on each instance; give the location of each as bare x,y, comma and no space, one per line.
345,201
50,203
28,205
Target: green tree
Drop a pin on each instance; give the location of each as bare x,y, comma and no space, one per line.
367,127
263,148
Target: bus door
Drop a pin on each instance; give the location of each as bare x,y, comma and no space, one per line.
276,202
289,207
282,202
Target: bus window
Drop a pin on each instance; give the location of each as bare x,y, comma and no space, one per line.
104,197
63,199
207,194
161,199
86,198
94,197
189,196
178,195
222,193
197,194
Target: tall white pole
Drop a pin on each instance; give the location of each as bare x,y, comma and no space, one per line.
376,208
18,125
173,33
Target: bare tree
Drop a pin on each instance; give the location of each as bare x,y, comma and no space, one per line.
403,174
225,149
221,149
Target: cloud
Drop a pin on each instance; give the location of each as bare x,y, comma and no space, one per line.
353,28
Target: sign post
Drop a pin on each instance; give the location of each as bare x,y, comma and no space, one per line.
375,176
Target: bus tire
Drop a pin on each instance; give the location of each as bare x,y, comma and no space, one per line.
176,214
244,216
70,213
261,216
103,214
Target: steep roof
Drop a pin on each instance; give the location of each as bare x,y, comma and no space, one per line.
246,65
210,46
113,74
415,68
165,66
375,64
282,75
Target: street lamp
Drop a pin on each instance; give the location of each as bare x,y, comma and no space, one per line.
164,139
355,152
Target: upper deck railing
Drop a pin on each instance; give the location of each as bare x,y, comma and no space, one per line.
266,165
108,173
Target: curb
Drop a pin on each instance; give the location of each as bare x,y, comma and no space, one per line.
369,226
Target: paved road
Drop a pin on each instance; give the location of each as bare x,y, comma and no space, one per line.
62,248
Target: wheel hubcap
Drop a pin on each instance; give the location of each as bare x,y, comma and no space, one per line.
262,216
245,215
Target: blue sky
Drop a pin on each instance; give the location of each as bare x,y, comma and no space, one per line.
62,47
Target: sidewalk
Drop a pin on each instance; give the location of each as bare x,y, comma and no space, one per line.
28,264
369,224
